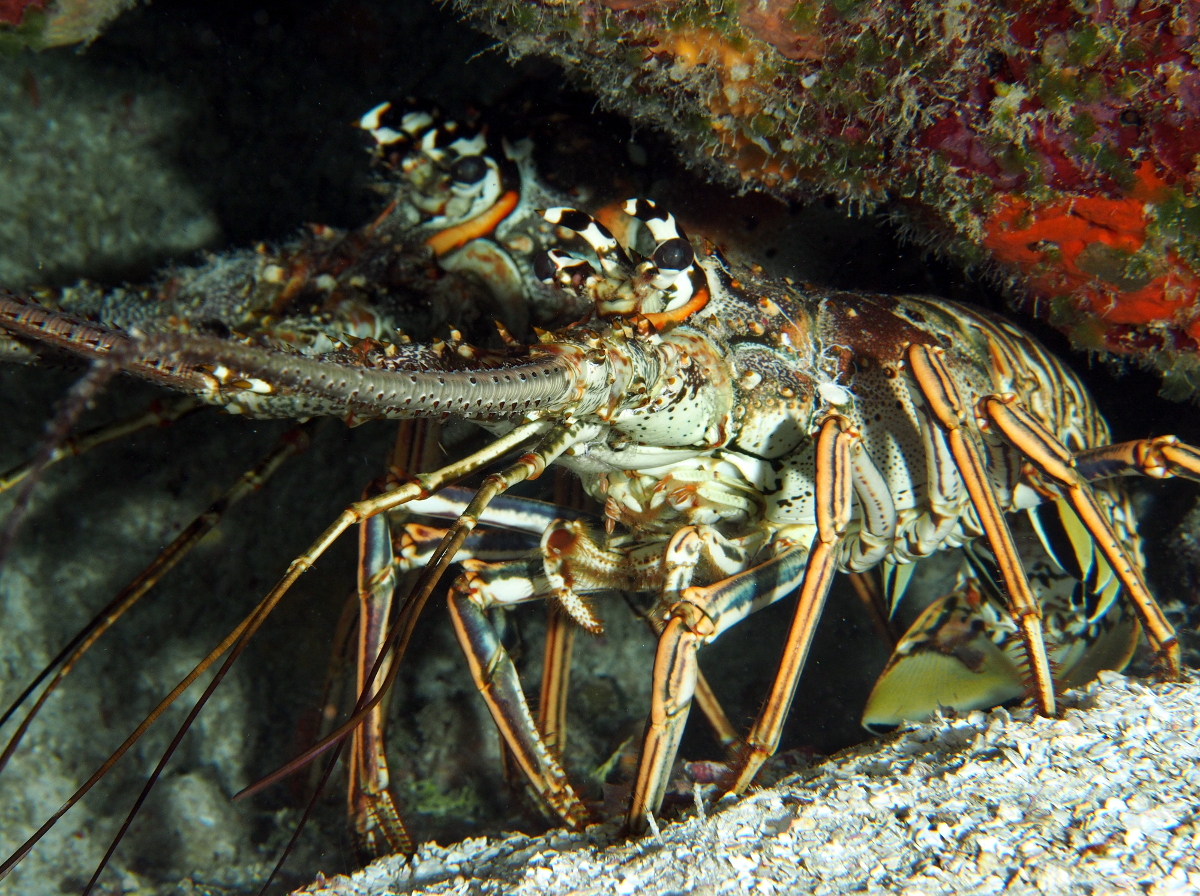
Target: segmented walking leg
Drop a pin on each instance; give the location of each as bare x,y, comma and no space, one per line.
964,652
870,594
833,493
560,643
522,522
531,465
1057,464
687,550
556,676
1163,457
949,657
937,387
483,586
704,613
723,730
570,555
375,823
590,568
497,680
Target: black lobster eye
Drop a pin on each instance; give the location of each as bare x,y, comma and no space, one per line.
674,255
468,170
543,267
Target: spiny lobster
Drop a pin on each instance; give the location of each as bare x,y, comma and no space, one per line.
748,437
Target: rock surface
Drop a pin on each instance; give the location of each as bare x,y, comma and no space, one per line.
1053,143
1102,800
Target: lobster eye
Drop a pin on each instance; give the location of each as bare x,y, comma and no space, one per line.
674,255
468,170
544,267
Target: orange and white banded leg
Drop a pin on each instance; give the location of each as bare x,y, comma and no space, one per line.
481,587
376,826
935,384
569,568
556,677
560,640
690,549
528,466
1163,457
1056,463
571,563
375,823
668,572
704,613
517,528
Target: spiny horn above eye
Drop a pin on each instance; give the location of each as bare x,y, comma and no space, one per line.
662,225
372,119
389,124
465,147
595,234
556,267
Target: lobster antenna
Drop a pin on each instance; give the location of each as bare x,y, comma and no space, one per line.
308,811
403,386
548,381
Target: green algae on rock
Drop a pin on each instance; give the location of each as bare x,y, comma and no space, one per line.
1053,143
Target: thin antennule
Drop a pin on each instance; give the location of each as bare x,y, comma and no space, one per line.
293,441
58,430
